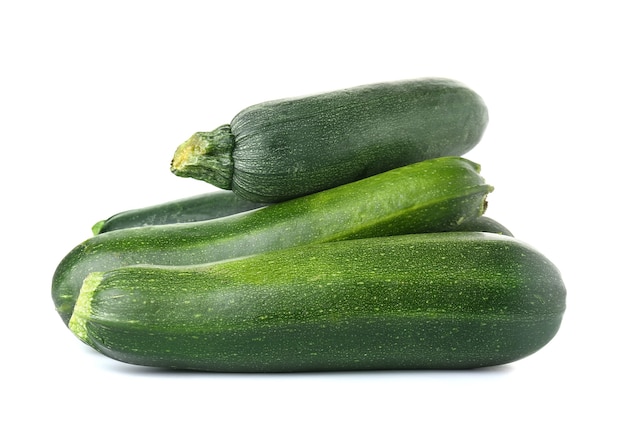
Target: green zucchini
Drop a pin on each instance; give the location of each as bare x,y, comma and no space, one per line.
283,149
424,301
225,203
484,224
433,195
190,209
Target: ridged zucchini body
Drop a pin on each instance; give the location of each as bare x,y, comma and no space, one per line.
287,148
205,206
225,203
424,301
434,195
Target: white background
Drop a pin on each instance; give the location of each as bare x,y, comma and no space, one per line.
95,97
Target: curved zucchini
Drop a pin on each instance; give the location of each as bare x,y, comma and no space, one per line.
190,209
433,195
283,149
225,203
424,301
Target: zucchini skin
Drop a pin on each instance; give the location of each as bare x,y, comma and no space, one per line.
423,301
287,148
190,209
433,195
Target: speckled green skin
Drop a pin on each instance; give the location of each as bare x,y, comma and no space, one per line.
282,149
425,301
434,195
191,209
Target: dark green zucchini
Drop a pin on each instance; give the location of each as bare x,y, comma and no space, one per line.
483,224
434,195
283,149
425,301
190,209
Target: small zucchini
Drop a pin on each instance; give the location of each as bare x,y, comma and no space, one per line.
190,209
424,301
283,149
484,224
434,195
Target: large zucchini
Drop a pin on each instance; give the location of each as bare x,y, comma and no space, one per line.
425,301
282,149
189,209
434,195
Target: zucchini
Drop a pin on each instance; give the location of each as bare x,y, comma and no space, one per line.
433,195
287,148
225,203
484,224
424,301
190,209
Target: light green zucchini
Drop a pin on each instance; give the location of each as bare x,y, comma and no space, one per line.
282,149
434,195
225,203
424,301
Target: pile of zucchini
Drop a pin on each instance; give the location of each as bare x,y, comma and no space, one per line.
349,234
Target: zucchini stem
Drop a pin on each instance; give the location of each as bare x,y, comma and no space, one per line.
82,308
207,156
